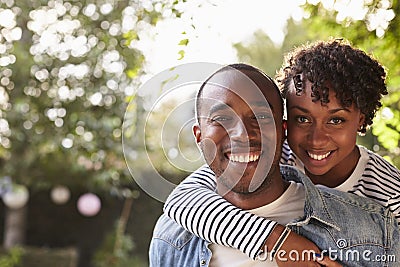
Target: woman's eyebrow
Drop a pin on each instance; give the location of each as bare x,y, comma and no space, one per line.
300,108
331,111
339,109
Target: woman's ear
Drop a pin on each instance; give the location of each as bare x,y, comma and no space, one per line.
361,121
361,129
197,132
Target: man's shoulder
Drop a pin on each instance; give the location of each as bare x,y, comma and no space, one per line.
171,245
202,171
167,230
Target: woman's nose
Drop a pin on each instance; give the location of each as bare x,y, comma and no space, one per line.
317,136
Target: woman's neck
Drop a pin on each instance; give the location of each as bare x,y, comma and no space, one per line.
340,173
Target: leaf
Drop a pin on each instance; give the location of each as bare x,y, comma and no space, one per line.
184,42
181,54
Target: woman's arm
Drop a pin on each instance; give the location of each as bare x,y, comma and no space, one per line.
196,206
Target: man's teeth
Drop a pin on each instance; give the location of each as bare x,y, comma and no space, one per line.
244,158
319,157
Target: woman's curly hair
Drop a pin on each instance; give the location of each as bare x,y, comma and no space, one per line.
353,75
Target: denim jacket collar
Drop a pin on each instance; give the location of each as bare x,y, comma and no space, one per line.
314,206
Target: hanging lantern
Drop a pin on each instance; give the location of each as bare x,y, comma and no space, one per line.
17,197
89,204
60,194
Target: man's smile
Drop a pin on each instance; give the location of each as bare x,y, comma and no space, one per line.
244,157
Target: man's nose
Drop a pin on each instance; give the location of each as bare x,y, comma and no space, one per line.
244,131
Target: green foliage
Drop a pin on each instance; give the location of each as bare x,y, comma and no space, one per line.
184,42
387,123
160,137
181,54
107,255
65,86
254,53
260,51
12,258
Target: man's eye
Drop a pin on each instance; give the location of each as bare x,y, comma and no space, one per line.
302,119
220,119
263,117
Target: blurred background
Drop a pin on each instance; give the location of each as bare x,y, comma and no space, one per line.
70,69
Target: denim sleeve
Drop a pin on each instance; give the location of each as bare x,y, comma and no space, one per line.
393,254
196,206
394,206
154,256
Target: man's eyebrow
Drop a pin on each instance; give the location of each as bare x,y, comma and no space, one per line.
262,104
218,107
332,111
222,106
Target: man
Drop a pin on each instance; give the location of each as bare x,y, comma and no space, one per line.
240,133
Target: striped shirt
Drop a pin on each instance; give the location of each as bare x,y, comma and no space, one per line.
196,206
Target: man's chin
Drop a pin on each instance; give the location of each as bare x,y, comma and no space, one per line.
236,189
239,185
246,189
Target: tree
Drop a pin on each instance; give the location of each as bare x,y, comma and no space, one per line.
68,70
263,53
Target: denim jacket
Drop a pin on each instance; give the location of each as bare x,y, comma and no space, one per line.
352,230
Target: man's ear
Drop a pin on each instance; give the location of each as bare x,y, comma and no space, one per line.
197,132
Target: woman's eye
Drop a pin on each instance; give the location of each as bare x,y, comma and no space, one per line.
336,121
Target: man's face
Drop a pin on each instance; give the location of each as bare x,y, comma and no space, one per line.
240,133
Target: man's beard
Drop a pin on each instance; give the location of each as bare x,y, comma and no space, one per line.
243,188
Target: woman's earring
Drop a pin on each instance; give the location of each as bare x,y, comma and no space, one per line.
360,131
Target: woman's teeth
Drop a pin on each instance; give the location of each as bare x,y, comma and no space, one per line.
318,157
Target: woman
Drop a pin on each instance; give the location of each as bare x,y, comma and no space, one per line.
332,92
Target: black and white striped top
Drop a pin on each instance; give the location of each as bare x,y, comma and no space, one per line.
196,206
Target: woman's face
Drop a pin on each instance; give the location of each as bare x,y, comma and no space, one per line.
323,136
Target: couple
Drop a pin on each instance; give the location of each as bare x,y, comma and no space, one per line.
332,92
